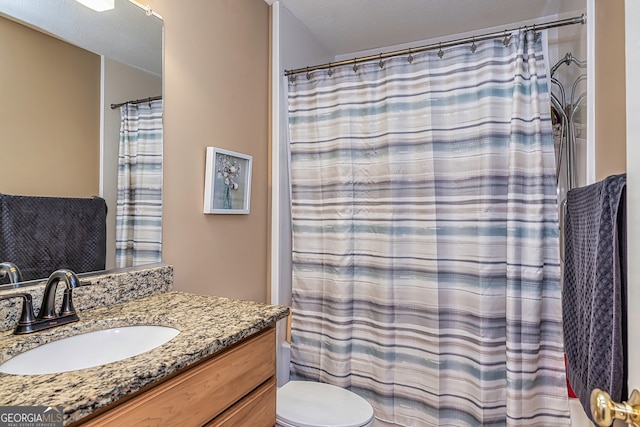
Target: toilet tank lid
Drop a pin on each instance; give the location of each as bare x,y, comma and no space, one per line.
312,404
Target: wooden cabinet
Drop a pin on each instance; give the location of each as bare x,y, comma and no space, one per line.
234,388
257,409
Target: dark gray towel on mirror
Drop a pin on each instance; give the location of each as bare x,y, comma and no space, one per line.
43,234
594,289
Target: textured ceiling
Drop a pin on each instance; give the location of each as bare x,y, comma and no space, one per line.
125,34
347,26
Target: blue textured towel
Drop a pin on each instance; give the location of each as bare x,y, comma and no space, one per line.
43,234
594,290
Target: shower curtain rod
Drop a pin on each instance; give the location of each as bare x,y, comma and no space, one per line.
137,101
488,36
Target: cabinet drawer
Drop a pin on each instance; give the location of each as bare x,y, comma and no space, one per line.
198,394
258,409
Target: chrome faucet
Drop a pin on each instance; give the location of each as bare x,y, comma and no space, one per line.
11,270
47,317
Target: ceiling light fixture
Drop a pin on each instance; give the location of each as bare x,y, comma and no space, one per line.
98,5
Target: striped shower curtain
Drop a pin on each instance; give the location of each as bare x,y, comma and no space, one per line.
139,205
425,243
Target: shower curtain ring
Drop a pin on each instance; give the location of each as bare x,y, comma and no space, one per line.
355,66
535,34
440,52
330,71
381,62
506,40
473,45
308,75
410,57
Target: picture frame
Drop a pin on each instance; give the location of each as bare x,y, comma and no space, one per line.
227,185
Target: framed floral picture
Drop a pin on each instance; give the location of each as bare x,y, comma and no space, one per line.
227,186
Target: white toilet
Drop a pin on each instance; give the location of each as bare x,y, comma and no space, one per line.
313,404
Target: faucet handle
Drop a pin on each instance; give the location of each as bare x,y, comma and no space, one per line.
26,317
67,304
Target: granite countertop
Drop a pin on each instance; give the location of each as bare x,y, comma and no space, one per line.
207,324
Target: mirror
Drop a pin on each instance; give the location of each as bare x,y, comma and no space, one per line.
42,111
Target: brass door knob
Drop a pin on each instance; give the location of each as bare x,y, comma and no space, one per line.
605,411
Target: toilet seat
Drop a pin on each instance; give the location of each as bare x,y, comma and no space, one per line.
312,404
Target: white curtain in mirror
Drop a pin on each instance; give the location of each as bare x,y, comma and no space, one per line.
139,205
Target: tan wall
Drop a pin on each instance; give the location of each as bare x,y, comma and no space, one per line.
610,89
216,94
49,115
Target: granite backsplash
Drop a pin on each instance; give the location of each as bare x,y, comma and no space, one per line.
97,290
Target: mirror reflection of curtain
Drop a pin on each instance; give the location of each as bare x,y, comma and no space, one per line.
139,205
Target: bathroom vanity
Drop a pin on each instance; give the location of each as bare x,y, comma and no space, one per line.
219,370
237,387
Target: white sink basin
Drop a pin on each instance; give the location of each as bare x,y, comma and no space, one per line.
88,350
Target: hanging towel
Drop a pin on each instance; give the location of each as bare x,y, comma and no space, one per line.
594,290
43,234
